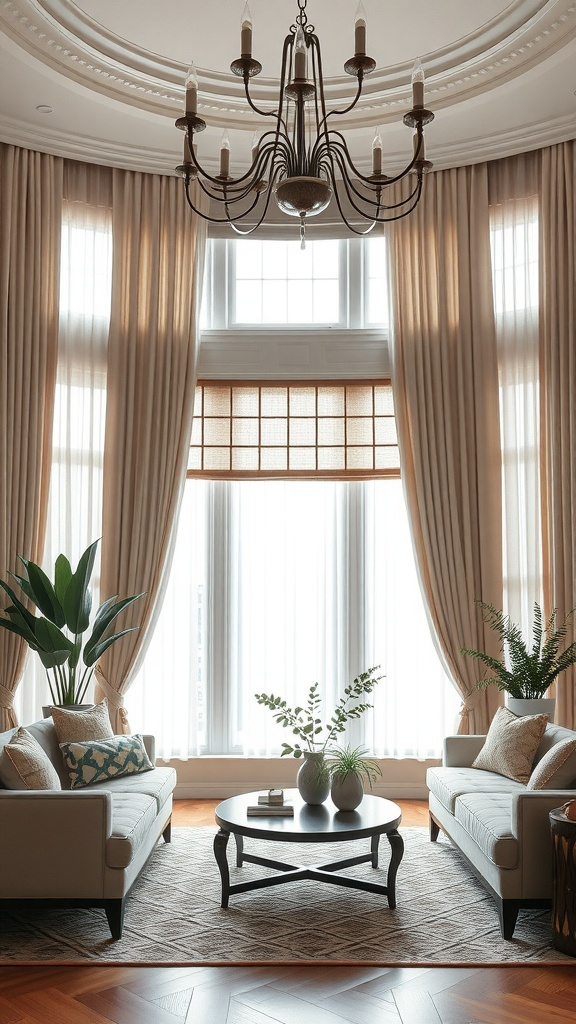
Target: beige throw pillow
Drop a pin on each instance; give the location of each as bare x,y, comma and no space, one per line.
557,769
511,744
24,765
75,726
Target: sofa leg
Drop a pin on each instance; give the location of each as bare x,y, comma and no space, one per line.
508,915
115,915
167,833
434,829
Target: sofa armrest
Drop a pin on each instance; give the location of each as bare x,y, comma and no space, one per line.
461,751
150,744
53,843
531,826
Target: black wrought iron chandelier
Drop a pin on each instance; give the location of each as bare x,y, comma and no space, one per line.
302,160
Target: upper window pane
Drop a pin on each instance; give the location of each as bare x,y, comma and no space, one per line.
277,282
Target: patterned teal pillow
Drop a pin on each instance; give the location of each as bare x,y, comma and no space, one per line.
98,760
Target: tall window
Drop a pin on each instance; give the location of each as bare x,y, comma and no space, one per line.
514,237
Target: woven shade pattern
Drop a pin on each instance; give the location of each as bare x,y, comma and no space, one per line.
248,429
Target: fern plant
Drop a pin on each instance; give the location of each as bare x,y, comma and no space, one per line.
523,672
306,722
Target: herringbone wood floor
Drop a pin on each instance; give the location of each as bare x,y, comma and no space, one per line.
287,994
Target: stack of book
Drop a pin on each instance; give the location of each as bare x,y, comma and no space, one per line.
271,804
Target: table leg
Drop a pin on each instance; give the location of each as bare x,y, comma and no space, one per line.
239,849
220,843
397,852
374,850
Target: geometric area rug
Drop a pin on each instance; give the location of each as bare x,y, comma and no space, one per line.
173,915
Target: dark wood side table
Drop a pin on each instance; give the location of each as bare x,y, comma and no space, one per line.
320,824
564,897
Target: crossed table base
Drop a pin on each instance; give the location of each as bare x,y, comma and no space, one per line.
310,824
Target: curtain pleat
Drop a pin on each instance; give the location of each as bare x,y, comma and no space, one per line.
445,380
30,204
158,258
558,377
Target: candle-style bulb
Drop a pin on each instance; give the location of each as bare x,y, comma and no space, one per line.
300,54
246,32
377,153
191,90
417,84
360,31
225,155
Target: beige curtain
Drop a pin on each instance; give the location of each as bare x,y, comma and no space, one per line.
558,390
157,272
445,380
30,203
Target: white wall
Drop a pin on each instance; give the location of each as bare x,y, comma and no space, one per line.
221,777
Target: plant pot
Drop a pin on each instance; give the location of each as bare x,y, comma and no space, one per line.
313,781
533,706
47,708
347,791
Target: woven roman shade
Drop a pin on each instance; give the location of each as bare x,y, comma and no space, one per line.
301,429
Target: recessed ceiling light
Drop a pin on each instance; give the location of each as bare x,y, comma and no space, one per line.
44,109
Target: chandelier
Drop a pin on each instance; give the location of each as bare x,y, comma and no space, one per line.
302,159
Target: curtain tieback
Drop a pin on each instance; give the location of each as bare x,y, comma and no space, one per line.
468,704
6,697
114,699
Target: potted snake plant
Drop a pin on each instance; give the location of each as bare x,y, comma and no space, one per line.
63,635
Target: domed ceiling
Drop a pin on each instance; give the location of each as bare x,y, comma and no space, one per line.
103,80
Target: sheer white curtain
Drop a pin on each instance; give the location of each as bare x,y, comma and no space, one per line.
276,585
75,502
515,246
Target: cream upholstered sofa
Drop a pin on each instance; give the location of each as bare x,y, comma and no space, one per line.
501,826
82,847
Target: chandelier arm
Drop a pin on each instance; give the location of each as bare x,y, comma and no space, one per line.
337,141
378,219
378,205
249,231
345,110
205,216
273,113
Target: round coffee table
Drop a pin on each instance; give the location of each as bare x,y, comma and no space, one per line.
319,824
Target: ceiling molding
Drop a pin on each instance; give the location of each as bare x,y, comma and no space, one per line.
93,150
59,35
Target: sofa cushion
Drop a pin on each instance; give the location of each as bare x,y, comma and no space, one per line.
557,769
45,733
75,726
448,784
25,765
97,760
132,818
157,784
511,745
487,817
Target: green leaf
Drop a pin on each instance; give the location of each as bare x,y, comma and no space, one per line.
99,649
44,595
52,658
62,577
77,599
104,616
50,638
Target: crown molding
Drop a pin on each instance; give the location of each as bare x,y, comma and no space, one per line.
59,35
74,146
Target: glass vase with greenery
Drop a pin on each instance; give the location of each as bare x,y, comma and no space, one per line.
58,633
524,672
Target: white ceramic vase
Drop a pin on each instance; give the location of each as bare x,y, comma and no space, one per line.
346,791
313,780
534,706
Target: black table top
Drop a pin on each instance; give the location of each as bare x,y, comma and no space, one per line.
319,824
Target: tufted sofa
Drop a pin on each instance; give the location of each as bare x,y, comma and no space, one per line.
500,826
83,847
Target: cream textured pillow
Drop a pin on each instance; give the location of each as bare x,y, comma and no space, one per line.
24,765
557,769
511,744
74,726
